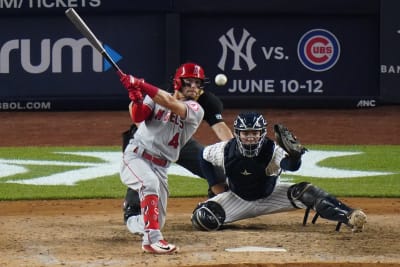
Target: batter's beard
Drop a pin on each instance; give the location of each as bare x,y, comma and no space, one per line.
179,95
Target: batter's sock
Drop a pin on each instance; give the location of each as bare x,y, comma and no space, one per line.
149,206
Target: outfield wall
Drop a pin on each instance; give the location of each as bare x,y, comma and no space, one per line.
275,53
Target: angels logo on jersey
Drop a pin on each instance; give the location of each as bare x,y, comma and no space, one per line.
194,106
167,115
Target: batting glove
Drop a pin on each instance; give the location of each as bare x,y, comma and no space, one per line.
130,82
135,95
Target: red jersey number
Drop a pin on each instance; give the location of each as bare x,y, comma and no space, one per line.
174,142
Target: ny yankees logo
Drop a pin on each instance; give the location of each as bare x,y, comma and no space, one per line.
237,50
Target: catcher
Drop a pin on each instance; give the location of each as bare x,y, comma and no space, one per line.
252,164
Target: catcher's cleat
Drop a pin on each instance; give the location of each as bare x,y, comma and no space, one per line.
160,247
357,220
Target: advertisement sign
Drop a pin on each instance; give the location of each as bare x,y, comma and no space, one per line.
305,59
46,64
271,57
390,51
57,7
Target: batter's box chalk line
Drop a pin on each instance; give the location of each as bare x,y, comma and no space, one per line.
255,249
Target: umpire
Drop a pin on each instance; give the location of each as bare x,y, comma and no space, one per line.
189,154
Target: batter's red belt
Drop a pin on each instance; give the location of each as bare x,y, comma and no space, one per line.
158,161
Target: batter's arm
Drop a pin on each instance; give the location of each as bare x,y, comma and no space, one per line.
222,131
158,95
165,99
139,112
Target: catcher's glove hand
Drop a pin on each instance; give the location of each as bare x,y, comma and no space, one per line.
288,141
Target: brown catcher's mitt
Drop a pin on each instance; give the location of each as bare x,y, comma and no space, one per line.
288,141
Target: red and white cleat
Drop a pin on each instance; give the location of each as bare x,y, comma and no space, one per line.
160,247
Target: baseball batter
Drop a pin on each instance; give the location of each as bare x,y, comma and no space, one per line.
166,124
189,154
252,164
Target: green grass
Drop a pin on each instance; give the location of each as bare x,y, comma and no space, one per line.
374,158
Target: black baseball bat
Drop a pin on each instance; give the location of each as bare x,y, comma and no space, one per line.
85,31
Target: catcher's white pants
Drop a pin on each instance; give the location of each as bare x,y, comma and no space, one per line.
237,208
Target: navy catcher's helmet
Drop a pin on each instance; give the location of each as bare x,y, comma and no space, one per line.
250,121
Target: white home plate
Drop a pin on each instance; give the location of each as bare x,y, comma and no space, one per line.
255,249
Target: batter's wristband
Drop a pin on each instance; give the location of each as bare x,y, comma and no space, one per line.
149,89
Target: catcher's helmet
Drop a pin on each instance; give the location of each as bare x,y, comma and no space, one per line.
250,121
187,70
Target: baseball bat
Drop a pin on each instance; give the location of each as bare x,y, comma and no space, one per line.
85,31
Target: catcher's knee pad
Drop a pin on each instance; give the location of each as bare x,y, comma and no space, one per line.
305,192
208,216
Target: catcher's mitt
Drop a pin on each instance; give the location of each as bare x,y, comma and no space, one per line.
288,141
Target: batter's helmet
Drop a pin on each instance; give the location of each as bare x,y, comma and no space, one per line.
187,70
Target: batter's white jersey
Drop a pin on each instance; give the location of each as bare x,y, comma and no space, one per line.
161,136
165,133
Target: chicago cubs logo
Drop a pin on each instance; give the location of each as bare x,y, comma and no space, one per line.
318,50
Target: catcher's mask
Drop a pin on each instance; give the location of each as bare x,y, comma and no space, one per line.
188,70
250,121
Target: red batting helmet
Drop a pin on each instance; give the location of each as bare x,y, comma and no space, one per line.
187,70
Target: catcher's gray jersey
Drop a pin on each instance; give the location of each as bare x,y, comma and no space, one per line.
164,133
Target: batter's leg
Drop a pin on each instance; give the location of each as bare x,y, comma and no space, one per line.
131,204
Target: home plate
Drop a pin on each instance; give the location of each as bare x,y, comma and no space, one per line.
255,249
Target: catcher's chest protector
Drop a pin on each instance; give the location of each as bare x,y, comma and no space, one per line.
247,176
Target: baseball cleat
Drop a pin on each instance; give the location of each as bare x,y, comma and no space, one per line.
160,247
357,220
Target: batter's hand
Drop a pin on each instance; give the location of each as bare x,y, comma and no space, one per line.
135,95
130,82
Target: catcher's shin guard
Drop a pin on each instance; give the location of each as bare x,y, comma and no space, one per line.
324,204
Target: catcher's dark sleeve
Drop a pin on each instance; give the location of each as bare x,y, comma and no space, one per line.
290,163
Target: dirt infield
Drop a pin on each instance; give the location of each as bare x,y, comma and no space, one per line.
91,232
